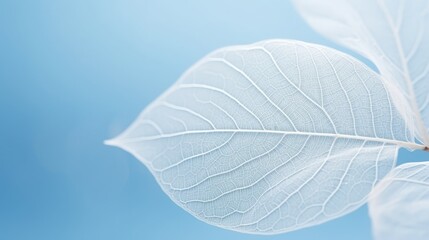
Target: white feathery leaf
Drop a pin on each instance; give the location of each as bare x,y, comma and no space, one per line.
270,137
399,204
394,35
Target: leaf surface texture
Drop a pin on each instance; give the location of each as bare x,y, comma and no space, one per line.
394,34
270,137
399,205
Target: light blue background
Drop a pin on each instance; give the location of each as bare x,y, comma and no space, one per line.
73,73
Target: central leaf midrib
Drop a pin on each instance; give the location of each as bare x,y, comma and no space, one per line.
411,145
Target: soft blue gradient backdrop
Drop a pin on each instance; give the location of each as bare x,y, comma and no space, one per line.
73,73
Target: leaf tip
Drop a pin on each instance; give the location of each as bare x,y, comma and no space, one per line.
111,142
